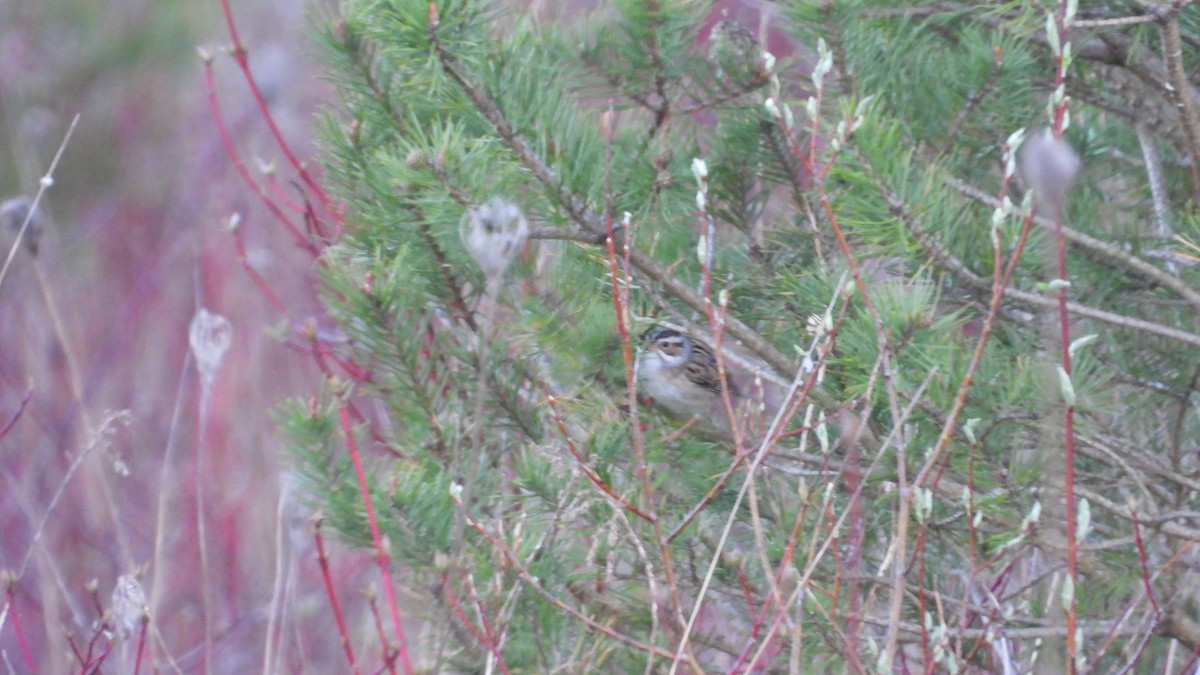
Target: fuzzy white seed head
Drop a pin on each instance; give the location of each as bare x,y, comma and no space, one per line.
493,234
209,336
128,605
1050,166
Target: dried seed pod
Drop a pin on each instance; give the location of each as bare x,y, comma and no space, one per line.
1049,166
493,234
209,336
129,608
13,214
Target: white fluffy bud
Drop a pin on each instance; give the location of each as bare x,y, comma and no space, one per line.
1050,166
493,234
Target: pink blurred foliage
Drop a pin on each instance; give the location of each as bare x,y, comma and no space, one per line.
137,242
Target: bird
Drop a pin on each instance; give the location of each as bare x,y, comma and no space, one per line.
680,372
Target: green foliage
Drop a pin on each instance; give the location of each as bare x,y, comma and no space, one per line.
884,235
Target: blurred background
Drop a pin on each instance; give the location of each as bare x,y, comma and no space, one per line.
108,463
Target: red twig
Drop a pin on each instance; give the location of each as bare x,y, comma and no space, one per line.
389,655
319,351
716,319
780,607
491,642
857,521
26,652
1141,549
620,297
108,647
282,196
596,480
17,415
1062,21
376,537
141,647
340,620
785,563
1002,277
1135,653
922,601
1187,667
75,651
356,372
240,164
239,245
460,613
746,589
771,599
242,57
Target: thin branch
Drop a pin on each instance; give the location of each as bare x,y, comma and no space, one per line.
642,469
965,276
1127,261
16,415
1127,512
662,111
523,572
339,620
240,165
381,553
587,471
1180,92
242,57
41,526
43,185
1062,21
1089,629
10,597
1141,549
1156,181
